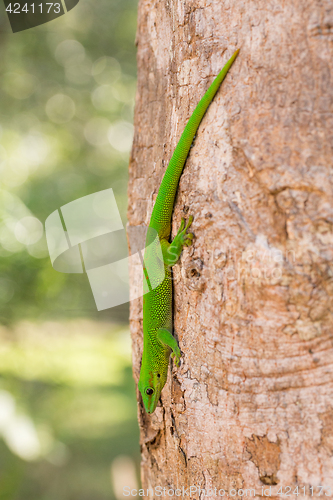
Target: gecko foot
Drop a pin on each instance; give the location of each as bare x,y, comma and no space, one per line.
176,357
185,238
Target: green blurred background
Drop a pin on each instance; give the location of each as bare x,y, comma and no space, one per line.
68,426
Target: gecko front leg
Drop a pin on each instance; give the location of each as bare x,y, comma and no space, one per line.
167,339
171,251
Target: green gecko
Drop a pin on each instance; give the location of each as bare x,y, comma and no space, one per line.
158,341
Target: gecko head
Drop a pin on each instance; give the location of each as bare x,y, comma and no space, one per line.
150,386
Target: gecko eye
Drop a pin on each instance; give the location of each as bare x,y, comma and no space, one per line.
158,375
149,391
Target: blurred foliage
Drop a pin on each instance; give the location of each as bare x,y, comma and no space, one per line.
67,409
65,132
67,398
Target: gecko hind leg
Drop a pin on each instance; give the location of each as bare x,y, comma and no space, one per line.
172,251
167,339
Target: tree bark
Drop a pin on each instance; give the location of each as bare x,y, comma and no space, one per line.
251,405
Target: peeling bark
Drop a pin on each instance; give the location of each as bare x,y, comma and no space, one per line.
251,405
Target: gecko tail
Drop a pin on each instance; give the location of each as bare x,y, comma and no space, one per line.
162,211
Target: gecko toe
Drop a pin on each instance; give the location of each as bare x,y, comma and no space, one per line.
190,220
188,239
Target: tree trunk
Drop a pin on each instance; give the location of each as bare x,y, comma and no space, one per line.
251,404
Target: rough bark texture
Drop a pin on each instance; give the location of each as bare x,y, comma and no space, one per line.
251,405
